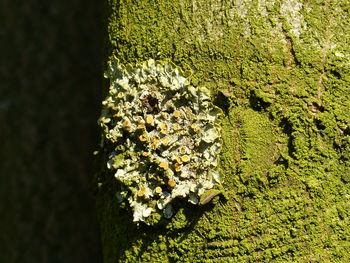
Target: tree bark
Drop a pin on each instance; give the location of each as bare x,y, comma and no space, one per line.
279,70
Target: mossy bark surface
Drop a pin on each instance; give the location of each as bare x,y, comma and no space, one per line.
280,72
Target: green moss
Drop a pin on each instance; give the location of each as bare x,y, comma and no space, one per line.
285,134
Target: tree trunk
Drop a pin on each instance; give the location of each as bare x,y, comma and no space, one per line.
279,70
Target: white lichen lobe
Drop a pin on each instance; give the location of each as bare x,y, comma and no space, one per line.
162,134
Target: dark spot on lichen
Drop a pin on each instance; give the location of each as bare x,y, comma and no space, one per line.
151,103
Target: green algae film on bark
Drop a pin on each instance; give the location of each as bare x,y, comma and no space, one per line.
284,66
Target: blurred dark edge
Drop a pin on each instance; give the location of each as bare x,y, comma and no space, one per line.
50,92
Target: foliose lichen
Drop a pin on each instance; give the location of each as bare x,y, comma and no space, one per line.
163,137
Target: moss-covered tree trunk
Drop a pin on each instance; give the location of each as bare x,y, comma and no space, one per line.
280,71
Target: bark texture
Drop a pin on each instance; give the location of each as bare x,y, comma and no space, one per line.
280,71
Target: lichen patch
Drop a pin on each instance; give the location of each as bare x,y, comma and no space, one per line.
163,134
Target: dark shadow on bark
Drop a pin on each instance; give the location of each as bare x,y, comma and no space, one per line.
222,101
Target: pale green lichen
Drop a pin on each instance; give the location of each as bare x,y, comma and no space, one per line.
163,134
